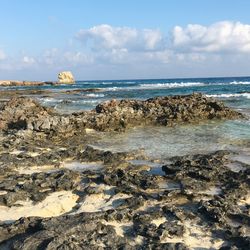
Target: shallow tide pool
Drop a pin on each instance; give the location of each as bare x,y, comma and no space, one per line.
165,142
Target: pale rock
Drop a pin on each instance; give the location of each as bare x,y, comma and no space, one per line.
65,77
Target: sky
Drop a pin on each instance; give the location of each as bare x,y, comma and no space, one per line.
125,39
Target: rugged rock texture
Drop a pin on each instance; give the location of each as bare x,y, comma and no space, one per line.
23,83
65,77
23,113
165,111
27,114
190,202
149,217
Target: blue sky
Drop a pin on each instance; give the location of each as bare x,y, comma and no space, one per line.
110,39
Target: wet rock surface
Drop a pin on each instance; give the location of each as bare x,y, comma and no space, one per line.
197,202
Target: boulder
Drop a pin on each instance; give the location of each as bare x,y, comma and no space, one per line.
65,77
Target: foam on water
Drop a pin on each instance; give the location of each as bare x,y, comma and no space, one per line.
171,85
234,91
240,82
246,95
94,95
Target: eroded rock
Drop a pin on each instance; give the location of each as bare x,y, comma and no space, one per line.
65,77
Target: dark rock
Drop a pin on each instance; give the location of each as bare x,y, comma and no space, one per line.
23,113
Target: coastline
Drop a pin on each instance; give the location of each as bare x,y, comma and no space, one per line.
6,83
123,198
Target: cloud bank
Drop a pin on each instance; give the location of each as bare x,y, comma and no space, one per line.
233,37
107,37
103,50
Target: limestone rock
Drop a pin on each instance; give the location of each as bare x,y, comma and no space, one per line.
24,83
65,77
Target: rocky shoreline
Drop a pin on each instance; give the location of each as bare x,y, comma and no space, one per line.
5,83
108,201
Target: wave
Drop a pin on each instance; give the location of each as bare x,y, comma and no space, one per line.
49,100
157,86
171,85
94,95
88,101
240,83
104,82
246,95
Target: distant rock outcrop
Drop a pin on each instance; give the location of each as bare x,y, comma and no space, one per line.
23,83
65,77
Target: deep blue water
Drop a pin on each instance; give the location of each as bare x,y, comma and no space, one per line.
235,91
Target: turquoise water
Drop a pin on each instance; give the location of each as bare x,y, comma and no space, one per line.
165,142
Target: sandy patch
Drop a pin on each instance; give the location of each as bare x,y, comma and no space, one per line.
16,152
246,201
158,221
90,131
102,201
119,226
211,191
122,227
33,154
36,169
54,205
3,192
196,237
71,165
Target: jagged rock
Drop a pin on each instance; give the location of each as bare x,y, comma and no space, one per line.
23,83
25,113
65,77
32,186
135,208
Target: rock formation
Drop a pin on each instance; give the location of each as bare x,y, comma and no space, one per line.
25,113
23,83
65,77
195,201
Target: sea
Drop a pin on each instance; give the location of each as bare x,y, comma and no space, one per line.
162,142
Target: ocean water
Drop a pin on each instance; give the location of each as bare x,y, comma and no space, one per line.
235,91
162,142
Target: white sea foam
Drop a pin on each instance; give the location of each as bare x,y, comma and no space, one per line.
240,83
94,95
114,89
107,83
118,82
171,85
158,86
88,101
246,95
50,100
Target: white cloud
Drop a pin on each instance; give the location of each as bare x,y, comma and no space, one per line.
233,37
77,57
98,51
28,60
107,37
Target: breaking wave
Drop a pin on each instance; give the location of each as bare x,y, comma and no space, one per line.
246,95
